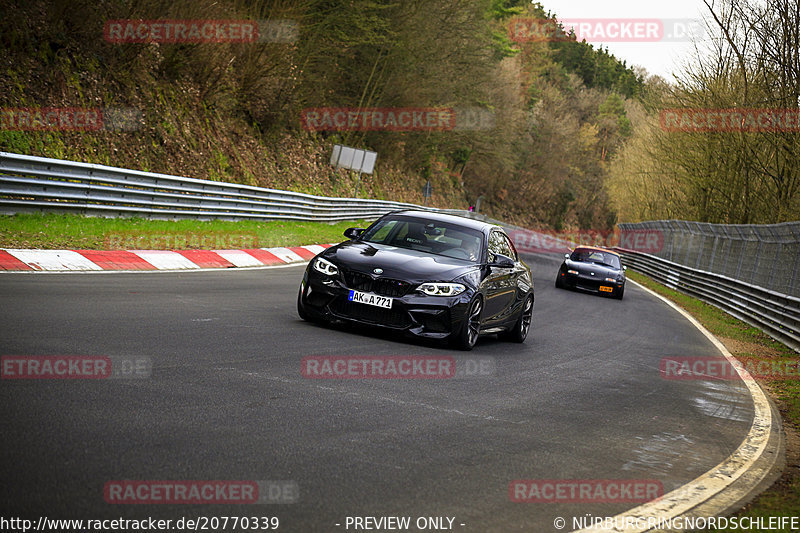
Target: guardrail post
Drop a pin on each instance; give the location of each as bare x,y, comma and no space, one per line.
778,250
668,230
794,272
758,257
688,247
730,247
700,253
713,253
741,256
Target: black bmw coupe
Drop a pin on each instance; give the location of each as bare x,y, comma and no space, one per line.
593,270
428,274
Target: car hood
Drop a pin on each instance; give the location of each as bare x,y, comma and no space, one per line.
598,270
397,263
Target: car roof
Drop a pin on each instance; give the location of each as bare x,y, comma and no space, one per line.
455,219
596,249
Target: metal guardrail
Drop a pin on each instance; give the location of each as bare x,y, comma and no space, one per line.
38,184
766,255
774,313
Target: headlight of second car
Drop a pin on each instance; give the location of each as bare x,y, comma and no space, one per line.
325,266
442,289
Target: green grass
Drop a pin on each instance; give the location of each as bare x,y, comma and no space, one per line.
783,498
52,231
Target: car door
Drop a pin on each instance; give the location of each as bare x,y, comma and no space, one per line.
519,280
500,284
522,282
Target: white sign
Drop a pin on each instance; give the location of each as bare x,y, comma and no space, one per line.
353,158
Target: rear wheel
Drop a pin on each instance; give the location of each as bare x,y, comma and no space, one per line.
523,324
467,336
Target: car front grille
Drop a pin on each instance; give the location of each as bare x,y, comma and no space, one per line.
394,318
392,288
590,284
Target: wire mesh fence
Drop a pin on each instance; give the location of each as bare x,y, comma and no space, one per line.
766,256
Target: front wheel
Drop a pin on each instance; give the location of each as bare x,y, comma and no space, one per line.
467,336
519,332
300,309
620,293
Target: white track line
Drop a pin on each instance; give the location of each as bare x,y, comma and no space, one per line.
698,491
284,254
314,248
165,260
239,258
54,259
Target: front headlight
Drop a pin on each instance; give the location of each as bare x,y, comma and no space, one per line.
572,272
611,280
442,289
326,267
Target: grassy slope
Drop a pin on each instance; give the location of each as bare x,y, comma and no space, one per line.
744,341
180,134
76,232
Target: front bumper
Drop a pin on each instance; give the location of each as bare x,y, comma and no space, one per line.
588,283
433,317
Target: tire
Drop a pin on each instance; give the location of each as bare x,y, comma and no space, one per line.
523,324
559,285
467,336
620,293
305,315
300,309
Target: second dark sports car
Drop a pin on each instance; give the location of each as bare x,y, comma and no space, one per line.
428,274
593,270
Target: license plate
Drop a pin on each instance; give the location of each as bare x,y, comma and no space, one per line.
607,289
370,299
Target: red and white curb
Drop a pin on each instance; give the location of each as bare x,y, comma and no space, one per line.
97,260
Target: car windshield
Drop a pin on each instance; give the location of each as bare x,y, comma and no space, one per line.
596,256
440,238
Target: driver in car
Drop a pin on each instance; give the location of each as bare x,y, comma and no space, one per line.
473,248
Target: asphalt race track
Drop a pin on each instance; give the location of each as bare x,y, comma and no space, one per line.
581,399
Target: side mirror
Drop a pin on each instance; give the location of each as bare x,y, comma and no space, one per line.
502,261
624,268
353,233
566,256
